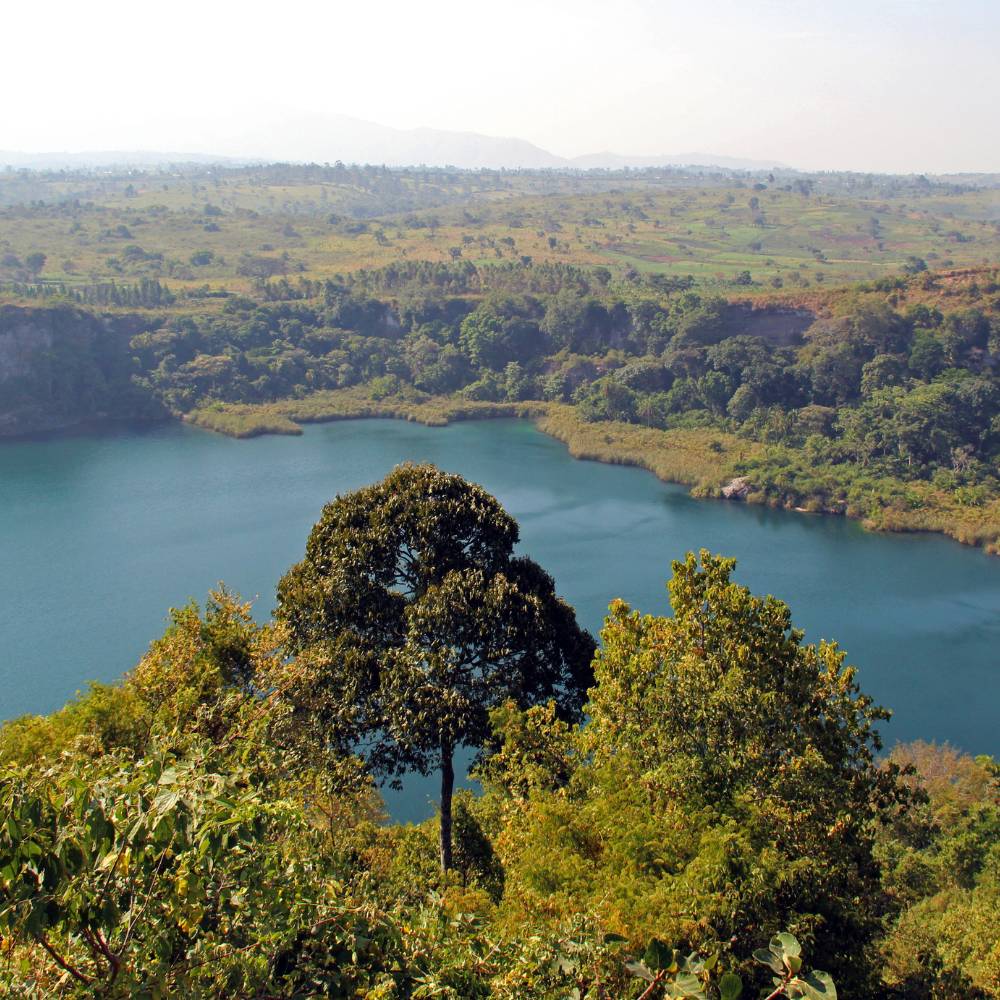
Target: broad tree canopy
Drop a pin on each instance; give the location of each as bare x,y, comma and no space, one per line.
423,619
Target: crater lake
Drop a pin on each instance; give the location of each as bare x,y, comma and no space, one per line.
101,531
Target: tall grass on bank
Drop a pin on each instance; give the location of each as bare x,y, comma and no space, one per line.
285,416
701,457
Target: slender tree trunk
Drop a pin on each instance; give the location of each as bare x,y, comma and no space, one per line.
447,785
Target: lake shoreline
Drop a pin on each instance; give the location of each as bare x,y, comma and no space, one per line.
705,460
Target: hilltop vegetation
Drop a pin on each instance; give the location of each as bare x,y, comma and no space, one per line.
230,226
209,826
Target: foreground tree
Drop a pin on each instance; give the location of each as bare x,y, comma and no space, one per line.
725,707
189,876
417,620
724,788
176,875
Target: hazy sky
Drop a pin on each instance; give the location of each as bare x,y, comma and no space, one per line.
906,85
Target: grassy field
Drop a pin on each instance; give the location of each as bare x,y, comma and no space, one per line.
190,231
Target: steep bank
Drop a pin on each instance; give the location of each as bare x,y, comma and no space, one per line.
61,365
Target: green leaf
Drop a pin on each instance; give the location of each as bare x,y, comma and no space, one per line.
730,986
693,963
687,985
658,955
641,970
819,986
769,959
787,945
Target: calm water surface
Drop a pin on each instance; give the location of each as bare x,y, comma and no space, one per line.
101,532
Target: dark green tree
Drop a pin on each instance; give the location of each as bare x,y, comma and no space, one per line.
425,620
34,262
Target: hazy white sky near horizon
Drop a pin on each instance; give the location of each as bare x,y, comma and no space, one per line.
894,85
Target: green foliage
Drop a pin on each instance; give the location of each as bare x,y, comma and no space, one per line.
694,977
784,958
529,750
473,857
104,718
423,620
942,864
725,764
669,974
173,876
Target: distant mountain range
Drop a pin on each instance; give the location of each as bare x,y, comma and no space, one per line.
328,138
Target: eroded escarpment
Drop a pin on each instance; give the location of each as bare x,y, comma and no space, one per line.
61,365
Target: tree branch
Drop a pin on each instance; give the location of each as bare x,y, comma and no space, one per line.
651,989
61,962
777,993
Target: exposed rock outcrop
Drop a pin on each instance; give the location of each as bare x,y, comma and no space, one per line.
780,327
737,489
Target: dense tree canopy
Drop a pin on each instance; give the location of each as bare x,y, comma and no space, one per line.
725,785
425,620
174,834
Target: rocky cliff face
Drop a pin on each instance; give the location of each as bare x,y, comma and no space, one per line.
60,365
779,327
21,341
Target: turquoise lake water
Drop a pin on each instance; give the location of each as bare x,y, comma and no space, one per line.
102,531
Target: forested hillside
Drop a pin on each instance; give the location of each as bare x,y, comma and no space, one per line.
723,825
880,400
